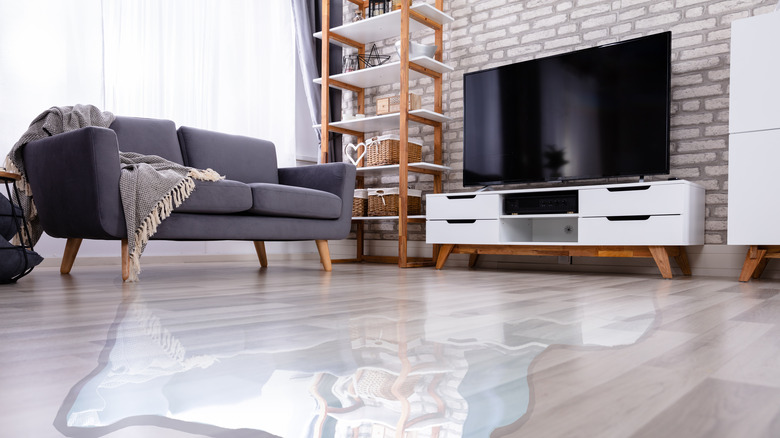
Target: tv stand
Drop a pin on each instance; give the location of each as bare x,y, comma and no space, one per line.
654,219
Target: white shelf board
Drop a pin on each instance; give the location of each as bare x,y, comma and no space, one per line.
387,73
539,216
385,218
386,25
393,168
532,243
385,122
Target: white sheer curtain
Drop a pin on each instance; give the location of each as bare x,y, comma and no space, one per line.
225,65
50,55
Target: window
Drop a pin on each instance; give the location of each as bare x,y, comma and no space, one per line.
223,65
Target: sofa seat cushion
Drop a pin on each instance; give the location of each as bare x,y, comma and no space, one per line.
292,201
217,197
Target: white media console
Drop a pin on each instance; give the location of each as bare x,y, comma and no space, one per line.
651,219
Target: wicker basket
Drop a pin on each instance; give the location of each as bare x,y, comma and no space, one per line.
385,202
360,203
383,151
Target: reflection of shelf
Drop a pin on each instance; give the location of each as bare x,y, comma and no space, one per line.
386,25
384,74
384,218
393,168
385,122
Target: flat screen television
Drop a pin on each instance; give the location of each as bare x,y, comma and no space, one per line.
600,112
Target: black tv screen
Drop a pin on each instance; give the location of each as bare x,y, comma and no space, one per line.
594,113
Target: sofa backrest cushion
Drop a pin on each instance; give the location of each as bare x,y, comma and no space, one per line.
148,137
239,158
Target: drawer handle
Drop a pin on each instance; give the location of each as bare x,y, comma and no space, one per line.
461,196
627,189
628,218
461,221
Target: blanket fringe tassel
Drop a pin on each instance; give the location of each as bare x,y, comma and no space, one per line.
161,211
149,225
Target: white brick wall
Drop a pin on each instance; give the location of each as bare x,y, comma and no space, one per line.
489,33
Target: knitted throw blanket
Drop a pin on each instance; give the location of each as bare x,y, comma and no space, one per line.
150,186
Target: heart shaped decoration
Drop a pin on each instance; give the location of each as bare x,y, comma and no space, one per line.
355,148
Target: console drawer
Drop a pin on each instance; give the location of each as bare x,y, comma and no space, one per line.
462,206
637,230
649,200
462,231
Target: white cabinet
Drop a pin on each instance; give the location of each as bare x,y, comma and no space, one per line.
754,103
754,141
666,213
754,207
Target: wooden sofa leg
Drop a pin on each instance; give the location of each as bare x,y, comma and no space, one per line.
322,247
260,249
71,249
125,261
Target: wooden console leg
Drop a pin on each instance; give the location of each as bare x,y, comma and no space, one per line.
661,258
473,260
322,247
760,268
753,260
444,253
69,256
682,261
125,261
260,249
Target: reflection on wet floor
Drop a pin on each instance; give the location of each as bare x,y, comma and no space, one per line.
222,365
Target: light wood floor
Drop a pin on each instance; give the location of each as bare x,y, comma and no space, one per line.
473,353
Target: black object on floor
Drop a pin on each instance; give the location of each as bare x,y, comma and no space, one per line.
15,261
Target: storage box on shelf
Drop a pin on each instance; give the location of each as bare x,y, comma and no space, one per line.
385,151
401,24
386,202
392,104
657,219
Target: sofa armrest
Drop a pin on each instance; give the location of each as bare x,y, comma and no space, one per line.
75,183
336,178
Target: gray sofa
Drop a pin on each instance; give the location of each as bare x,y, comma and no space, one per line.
74,177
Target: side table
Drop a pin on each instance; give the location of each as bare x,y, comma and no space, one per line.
25,240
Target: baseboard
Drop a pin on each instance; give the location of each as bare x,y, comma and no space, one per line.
705,260
166,260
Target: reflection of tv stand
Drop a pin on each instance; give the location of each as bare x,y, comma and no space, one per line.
652,219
